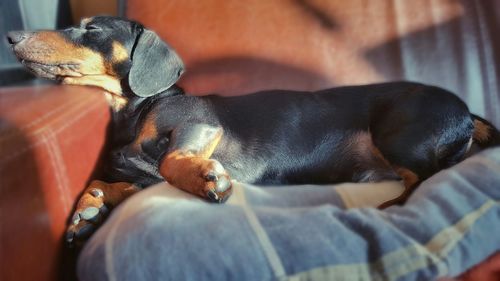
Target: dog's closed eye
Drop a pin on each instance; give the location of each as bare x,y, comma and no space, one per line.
92,27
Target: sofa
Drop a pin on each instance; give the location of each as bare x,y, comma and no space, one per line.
52,138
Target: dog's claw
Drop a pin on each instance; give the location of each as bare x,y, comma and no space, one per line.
83,223
216,186
213,196
211,177
70,235
75,219
97,193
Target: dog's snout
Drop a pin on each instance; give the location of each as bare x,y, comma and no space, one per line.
15,37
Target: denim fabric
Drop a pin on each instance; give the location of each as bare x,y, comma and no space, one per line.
450,223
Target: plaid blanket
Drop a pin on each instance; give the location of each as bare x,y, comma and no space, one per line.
450,223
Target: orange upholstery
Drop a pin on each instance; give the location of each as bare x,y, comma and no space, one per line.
233,47
50,141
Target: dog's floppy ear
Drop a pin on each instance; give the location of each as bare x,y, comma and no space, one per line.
155,66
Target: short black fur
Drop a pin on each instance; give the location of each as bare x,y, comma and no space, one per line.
296,137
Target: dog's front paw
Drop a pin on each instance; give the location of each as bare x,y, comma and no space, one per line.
93,208
88,216
217,185
199,176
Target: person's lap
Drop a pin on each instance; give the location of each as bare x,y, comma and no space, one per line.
302,232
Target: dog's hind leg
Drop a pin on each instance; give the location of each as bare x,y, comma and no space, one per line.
410,181
372,166
369,163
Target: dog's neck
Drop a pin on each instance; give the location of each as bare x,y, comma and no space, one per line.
125,120
134,103
127,101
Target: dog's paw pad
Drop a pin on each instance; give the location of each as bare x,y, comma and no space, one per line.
82,226
90,214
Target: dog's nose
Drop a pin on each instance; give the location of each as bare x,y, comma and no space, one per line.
15,37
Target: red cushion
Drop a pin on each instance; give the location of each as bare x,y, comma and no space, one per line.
50,141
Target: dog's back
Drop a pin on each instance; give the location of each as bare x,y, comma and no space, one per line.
341,134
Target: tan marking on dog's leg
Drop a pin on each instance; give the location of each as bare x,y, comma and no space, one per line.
194,172
188,172
183,158
371,165
409,177
113,193
93,206
481,131
362,143
210,148
410,181
148,130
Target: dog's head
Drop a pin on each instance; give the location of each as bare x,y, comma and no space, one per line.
102,51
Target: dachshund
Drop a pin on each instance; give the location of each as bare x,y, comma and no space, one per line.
370,133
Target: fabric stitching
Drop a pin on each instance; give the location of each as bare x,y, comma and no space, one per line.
6,158
266,244
59,167
398,256
41,118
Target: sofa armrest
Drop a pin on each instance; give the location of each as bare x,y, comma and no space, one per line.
51,138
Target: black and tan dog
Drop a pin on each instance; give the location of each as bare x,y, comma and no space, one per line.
367,133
